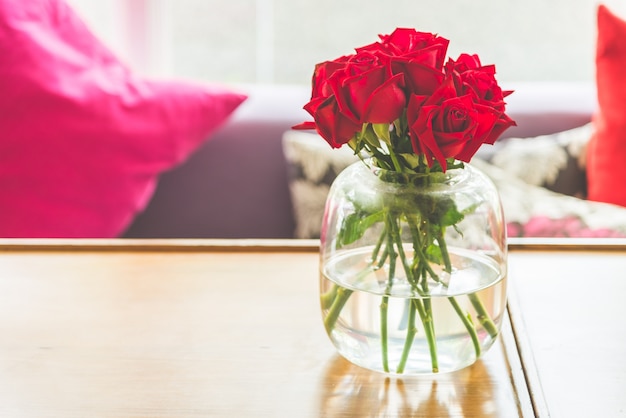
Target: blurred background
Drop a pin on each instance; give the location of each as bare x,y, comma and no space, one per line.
280,41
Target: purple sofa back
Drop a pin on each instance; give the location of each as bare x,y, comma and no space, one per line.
236,185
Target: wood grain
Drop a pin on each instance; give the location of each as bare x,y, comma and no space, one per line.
568,307
218,331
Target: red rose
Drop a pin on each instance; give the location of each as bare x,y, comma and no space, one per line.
330,123
480,82
335,127
367,92
322,73
417,55
403,42
353,90
446,125
445,111
420,77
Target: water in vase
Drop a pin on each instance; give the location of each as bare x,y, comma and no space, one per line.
471,298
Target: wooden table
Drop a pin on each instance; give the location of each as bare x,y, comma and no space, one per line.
568,302
128,328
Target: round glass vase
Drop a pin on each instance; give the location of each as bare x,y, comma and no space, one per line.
413,268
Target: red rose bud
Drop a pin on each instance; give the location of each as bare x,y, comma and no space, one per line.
371,96
480,81
420,77
323,71
504,122
446,125
403,41
330,123
485,119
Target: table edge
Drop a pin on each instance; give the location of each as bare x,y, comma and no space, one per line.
157,245
266,245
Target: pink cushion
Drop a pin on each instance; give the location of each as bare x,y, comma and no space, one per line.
83,139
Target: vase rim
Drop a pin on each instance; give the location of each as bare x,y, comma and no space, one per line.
452,175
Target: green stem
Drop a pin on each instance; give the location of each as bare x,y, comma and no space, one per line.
337,297
383,332
410,335
383,258
444,252
481,313
394,160
327,299
341,298
429,324
385,302
483,316
423,307
468,325
417,248
427,319
405,264
380,242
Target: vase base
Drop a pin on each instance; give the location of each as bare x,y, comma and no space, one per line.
452,354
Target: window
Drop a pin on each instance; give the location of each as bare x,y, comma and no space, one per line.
279,41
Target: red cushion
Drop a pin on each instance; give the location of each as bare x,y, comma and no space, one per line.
83,139
606,167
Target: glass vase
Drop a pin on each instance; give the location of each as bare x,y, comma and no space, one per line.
413,268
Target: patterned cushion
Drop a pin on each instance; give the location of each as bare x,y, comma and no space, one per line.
530,210
533,211
555,161
312,167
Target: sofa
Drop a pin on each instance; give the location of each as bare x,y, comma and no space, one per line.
91,149
238,184
559,172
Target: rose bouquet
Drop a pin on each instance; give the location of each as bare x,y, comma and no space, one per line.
411,116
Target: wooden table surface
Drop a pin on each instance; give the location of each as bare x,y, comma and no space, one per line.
568,304
129,328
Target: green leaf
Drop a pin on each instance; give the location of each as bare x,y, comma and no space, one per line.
370,136
441,212
355,144
355,225
397,126
472,208
433,253
411,160
452,163
451,216
382,131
